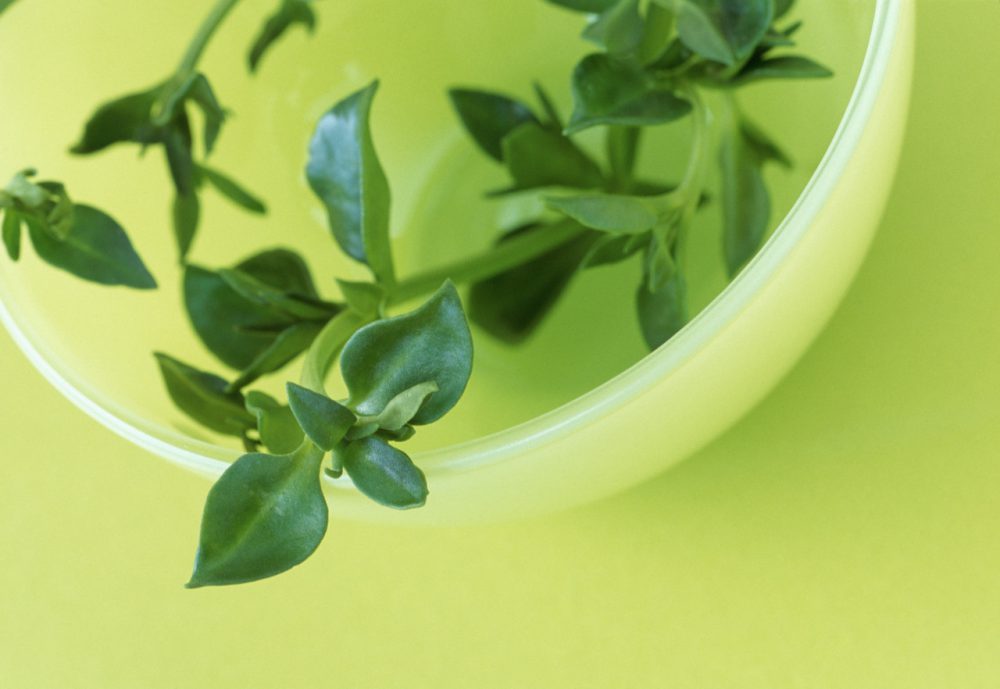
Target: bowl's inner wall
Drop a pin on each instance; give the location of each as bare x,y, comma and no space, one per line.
102,339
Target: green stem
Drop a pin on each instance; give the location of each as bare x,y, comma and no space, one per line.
503,257
201,39
327,346
691,187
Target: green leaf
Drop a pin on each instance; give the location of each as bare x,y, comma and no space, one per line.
614,92
784,67
622,145
725,31
96,249
539,157
384,474
386,358
782,7
608,213
589,6
662,313
4,4
346,174
746,203
511,305
325,422
198,90
232,190
177,145
12,234
204,398
292,305
265,515
290,12
404,406
490,117
124,120
366,298
278,429
186,213
285,348
618,29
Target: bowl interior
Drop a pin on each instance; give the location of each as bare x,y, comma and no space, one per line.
96,343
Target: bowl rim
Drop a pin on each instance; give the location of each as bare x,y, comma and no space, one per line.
209,458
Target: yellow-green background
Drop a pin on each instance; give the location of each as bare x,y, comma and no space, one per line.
845,534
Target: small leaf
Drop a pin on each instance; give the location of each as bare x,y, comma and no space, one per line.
12,234
404,406
746,203
384,474
285,348
366,298
186,213
180,160
265,515
608,213
96,249
292,305
609,91
203,397
662,313
725,31
511,305
388,357
784,67
618,29
539,157
290,12
198,90
490,117
278,429
347,176
232,190
782,7
325,422
127,119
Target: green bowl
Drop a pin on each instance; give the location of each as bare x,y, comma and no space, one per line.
579,414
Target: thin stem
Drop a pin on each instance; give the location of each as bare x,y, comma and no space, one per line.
693,184
505,256
201,39
327,346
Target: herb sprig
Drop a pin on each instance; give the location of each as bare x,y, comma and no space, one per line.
652,66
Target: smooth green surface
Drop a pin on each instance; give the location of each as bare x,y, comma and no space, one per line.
843,535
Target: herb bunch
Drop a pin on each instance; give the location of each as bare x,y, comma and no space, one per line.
652,64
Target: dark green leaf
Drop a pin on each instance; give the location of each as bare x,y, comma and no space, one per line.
127,119
725,31
785,67
384,474
746,203
662,313
194,89
325,422
538,157
391,356
282,270
618,29
622,144
589,6
613,249
782,7
345,173
290,12
288,345
203,397
12,234
96,249
177,148
232,190
186,214
489,117
265,515
261,293
279,431
512,304
609,91
554,120
607,212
